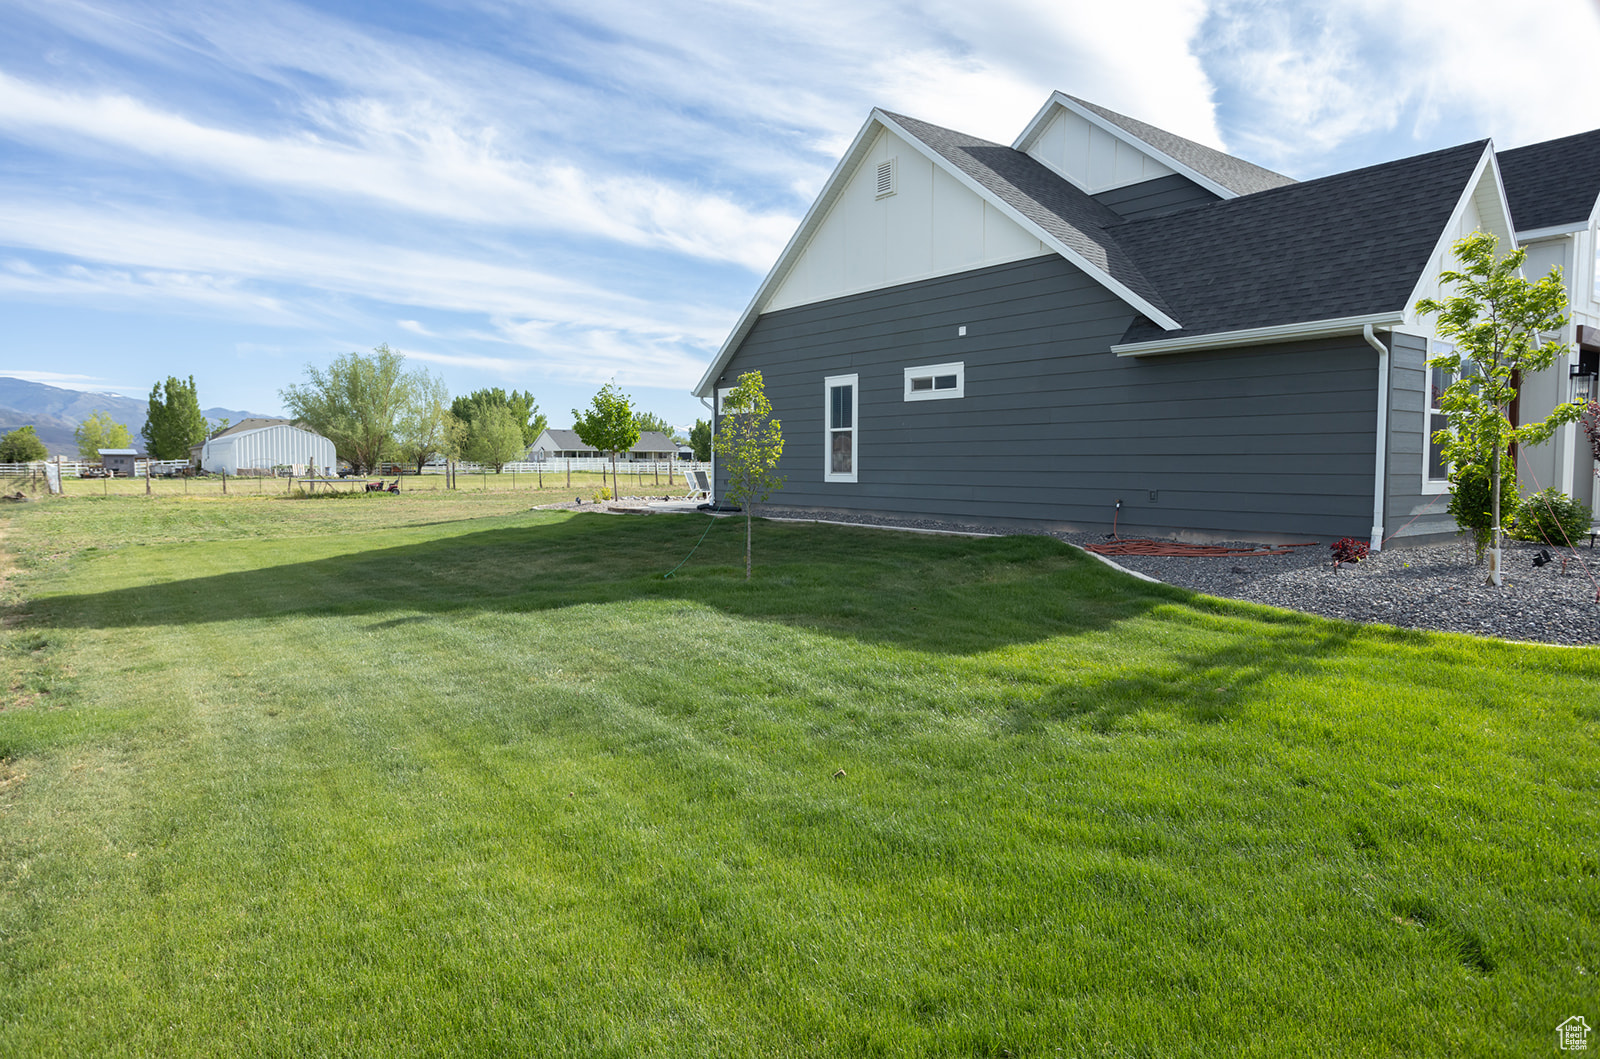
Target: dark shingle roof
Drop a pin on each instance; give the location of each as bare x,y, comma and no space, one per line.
1235,174
1554,183
1344,245
1041,196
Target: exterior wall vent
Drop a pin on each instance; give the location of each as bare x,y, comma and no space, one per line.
886,182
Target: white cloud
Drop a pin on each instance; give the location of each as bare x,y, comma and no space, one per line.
416,162
1311,78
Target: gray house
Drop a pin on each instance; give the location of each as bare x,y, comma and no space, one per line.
1104,311
565,444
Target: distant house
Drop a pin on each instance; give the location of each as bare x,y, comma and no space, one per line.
121,462
1105,321
262,444
565,444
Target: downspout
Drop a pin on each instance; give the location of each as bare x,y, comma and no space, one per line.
1382,447
711,406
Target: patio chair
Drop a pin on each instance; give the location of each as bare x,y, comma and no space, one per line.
699,487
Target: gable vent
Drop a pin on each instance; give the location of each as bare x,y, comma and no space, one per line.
886,178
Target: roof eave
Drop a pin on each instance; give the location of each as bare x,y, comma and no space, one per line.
1552,232
1256,336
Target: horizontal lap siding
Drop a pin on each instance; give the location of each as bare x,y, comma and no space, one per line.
1150,197
1409,512
1054,428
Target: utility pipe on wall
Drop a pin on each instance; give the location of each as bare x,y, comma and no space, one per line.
1382,447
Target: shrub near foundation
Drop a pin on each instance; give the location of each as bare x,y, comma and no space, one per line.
1551,516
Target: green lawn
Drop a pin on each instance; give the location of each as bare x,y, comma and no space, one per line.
434,774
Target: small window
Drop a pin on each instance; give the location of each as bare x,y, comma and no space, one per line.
936,382
886,182
840,431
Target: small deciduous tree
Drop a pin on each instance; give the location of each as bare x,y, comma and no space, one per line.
700,440
1496,319
608,426
22,445
356,403
100,432
494,438
173,423
749,444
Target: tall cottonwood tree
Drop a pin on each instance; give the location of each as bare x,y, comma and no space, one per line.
748,443
174,423
423,429
356,403
1497,320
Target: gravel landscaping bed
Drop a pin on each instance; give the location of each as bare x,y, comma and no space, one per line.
1435,586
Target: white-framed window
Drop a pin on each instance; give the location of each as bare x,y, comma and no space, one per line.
841,436
936,382
1435,471
722,394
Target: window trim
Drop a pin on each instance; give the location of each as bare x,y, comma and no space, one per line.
1432,486
828,386
957,368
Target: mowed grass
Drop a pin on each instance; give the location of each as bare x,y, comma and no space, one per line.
405,775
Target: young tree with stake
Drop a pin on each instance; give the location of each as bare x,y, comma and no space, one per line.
609,426
749,444
1495,318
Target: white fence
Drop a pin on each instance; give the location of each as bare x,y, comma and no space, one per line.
75,468
677,468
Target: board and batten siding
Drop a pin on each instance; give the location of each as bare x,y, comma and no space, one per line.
1054,428
930,225
1091,157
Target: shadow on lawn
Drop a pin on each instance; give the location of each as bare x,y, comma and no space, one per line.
928,592
1205,685
948,594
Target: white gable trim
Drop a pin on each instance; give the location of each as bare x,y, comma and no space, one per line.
791,251
1487,167
1060,99
859,147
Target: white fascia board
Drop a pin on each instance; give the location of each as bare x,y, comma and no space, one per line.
797,242
1255,336
1093,271
1060,99
1507,232
1535,234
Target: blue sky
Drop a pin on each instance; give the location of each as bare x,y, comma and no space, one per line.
548,196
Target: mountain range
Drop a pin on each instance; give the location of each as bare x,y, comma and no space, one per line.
55,413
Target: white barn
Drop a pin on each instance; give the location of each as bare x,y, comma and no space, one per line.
261,444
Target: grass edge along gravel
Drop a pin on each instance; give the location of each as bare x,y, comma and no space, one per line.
462,785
